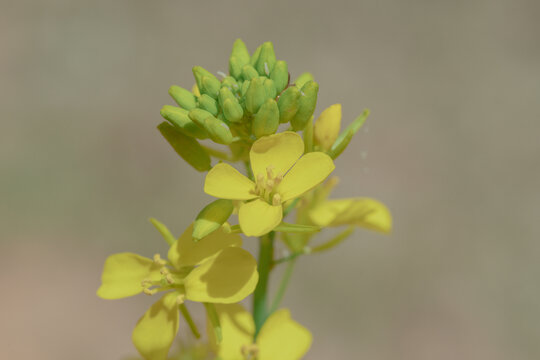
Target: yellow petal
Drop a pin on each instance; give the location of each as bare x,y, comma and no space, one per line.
123,273
307,173
325,212
155,331
364,212
237,327
226,278
280,151
283,338
257,217
186,252
327,126
225,182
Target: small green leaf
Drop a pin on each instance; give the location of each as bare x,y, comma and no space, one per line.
211,218
187,147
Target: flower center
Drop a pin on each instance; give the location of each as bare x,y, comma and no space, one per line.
170,278
266,187
250,352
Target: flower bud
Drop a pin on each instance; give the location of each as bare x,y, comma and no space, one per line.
239,57
280,76
179,118
233,111
255,95
306,105
266,121
267,59
327,126
303,79
211,218
218,131
184,98
288,104
208,104
206,81
270,89
249,72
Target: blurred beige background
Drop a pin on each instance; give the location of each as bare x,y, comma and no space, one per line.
453,149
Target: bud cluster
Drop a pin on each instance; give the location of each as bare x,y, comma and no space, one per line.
251,102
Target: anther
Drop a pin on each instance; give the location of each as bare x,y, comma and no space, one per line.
180,299
276,200
159,260
169,278
164,271
148,291
260,178
278,180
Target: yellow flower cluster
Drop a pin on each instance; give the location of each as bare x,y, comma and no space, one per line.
285,173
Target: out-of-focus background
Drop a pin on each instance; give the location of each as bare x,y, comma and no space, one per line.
452,146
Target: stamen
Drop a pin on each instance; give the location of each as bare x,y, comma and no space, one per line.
164,271
158,260
276,200
278,180
169,278
270,172
148,291
260,178
270,185
180,299
250,351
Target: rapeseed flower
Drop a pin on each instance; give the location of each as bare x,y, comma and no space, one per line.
280,338
281,173
214,270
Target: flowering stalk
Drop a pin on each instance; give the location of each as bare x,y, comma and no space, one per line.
286,177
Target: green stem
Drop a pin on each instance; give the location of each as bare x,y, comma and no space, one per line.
283,285
189,320
266,254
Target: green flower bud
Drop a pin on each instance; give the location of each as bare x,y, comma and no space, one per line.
206,81
184,98
255,56
218,131
345,137
267,59
224,94
306,105
266,121
208,104
249,72
233,110
179,118
303,79
255,95
288,104
270,89
239,57
211,218
245,87
280,75
231,83
187,147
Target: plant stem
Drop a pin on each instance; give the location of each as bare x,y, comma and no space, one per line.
283,285
266,254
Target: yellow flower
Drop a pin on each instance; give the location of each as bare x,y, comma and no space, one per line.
214,270
280,338
281,174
